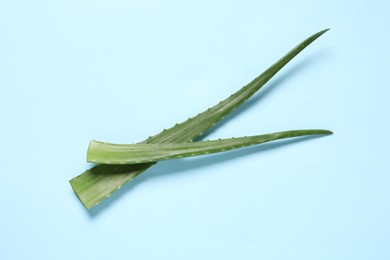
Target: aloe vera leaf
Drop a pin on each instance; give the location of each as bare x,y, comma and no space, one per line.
108,153
97,183
196,126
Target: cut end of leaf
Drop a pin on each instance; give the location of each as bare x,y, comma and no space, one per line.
90,146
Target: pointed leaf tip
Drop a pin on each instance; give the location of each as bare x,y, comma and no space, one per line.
318,34
329,132
322,31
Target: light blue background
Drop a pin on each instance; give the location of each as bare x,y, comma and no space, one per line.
119,71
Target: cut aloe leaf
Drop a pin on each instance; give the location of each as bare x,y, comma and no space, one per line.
97,183
107,153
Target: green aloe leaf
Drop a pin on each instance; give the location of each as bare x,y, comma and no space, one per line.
97,183
107,153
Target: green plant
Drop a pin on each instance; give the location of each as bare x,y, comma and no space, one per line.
106,153
99,182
